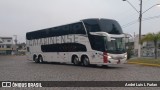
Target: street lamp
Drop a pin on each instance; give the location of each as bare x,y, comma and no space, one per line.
140,21
151,7
132,5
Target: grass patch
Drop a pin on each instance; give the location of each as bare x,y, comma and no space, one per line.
146,60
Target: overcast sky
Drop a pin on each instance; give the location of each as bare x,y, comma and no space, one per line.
20,16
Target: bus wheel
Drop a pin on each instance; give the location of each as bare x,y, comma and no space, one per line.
75,60
40,59
35,59
85,61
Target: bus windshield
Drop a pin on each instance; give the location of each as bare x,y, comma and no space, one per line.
116,45
101,43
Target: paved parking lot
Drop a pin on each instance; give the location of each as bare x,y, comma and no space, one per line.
18,68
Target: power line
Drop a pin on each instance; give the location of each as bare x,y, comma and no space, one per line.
150,18
135,21
130,23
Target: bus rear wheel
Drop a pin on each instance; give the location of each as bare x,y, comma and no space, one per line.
75,60
36,60
40,59
85,61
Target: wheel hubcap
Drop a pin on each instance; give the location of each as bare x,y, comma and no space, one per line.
85,62
40,60
75,60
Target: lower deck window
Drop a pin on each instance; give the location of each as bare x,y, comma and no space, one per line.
66,47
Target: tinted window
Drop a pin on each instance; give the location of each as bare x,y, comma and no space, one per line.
65,47
75,28
97,42
92,25
110,26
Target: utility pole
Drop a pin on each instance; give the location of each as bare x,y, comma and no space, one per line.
16,51
140,28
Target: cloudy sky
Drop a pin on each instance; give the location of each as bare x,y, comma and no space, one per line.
20,16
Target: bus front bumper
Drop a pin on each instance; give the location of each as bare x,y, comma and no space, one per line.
112,61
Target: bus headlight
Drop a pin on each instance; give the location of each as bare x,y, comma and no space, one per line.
109,57
125,56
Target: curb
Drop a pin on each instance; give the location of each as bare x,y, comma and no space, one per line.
145,64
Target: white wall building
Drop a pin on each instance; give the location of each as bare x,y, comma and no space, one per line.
6,45
147,48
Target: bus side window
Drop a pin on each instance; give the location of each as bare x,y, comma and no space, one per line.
28,49
77,28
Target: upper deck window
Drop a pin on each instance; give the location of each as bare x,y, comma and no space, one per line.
103,25
110,26
92,25
74,28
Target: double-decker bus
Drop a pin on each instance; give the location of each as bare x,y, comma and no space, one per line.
88,41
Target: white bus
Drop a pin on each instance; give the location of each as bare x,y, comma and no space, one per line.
89,41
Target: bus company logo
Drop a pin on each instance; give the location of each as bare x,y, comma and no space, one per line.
6,84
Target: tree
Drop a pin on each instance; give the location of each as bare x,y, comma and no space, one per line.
154,38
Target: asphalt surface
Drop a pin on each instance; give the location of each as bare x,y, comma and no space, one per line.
18,68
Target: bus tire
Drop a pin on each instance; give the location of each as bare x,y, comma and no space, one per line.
75,60
35,59
85,61
40,59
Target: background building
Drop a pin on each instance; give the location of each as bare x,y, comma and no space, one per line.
6,45
21,49
147,48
